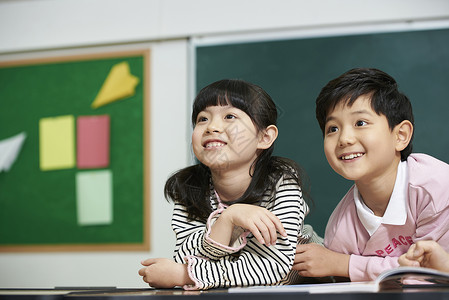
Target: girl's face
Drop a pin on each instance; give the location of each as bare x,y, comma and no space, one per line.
225,138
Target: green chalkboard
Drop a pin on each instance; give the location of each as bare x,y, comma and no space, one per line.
38,209
294,71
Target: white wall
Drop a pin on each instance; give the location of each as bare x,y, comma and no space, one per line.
43,24
40,28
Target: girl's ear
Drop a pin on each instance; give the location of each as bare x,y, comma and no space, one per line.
404,132
267,137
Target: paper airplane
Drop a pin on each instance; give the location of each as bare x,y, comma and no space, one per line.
9,150
119,84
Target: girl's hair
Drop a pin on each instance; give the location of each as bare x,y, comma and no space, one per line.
382,89
191,186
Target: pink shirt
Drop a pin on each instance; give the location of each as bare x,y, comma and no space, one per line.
427,209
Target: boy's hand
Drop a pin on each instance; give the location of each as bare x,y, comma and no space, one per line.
164,273
313,260
262,223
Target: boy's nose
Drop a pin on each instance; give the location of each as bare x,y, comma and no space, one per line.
346,138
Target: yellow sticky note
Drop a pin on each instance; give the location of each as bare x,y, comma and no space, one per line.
57,143
94,197
119,84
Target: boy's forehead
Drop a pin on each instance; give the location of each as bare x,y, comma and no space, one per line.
362,102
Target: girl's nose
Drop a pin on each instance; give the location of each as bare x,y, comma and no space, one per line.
213,126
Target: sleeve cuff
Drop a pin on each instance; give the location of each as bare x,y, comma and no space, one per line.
357,269
190,265
216,248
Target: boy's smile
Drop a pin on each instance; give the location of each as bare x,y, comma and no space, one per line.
351,156
358,143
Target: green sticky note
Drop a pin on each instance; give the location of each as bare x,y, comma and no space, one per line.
94,197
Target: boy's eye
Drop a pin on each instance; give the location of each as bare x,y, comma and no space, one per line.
360,123
332,129
230,116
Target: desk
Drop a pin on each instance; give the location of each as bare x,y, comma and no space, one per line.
218,294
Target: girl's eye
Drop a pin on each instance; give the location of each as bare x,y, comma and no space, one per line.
230,117
360,123
201,119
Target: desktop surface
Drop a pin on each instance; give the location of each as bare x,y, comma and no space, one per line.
214,294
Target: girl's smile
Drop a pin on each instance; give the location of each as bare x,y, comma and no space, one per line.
213,144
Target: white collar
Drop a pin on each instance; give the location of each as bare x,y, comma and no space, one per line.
396,212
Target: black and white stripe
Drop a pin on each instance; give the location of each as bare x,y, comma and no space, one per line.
254,264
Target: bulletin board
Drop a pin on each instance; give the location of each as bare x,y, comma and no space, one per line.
39,209
293,71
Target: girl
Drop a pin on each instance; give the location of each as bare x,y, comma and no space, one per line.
239,212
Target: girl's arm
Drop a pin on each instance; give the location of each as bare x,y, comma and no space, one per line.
190,235
224,233
164,273
262,223
256,263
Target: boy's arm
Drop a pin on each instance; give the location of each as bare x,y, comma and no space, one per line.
313,260
366,268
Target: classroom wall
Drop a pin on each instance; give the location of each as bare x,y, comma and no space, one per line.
46,28
42,24
168,152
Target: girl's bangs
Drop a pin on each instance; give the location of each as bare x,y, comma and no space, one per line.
217,98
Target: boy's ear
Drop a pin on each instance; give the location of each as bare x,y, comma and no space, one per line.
404,132
267,137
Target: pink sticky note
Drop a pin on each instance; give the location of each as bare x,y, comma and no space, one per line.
92,141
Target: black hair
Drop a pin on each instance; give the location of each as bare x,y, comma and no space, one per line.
191,186
384,95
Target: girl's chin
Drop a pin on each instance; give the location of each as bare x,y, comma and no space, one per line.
218,167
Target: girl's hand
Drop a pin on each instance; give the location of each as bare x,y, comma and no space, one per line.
313,260
427,254
262,223
164,273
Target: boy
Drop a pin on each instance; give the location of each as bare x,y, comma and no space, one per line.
398,197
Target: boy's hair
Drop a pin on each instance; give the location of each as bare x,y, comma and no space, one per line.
191,186
379,86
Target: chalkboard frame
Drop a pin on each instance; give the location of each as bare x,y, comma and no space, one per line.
142,243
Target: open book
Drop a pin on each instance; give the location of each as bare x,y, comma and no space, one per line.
397,278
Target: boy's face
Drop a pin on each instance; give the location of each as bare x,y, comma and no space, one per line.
358,143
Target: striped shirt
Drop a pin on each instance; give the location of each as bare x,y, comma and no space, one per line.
245,261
